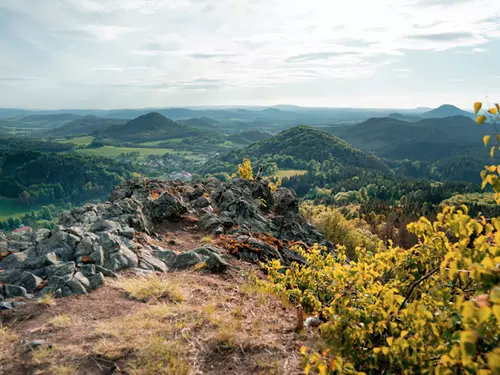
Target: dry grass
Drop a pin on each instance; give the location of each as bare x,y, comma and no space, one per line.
151,288
47,300
61,321
7,341
207,239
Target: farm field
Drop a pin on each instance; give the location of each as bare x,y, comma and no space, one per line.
290,172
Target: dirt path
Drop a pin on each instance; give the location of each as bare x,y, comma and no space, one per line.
225,324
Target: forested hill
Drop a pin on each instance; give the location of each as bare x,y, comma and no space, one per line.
305,143
152,126
84,125
422,140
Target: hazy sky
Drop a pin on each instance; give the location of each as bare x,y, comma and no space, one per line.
148,53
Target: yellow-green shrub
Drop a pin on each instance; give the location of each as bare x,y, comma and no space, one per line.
431,309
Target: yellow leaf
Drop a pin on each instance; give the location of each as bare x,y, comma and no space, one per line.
481,119
495,294
385,350
390,340
307,369
486,140
477,107
496,311
493,111
377,350
493,361
403,334
322,369
484,314
498,106
492,151
468,310
490,168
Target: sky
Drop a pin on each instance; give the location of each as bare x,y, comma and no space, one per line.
320,53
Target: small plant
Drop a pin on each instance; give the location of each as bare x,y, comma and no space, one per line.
149,288
207,239
245,170
47,300
275,185
61,321
7,340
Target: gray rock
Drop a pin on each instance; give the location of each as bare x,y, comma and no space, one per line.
36,344
13,276
216,263
6,306
209,222
166,256
11,261
202,202
101,225
88,270
76,287
97,281
187,260
12,291
40,235
219,230
55,283
128,232
30,282
142,273
167,206
61,243
16,246
109,242
98,256
61,269
149,262
106,272
124,258
78,276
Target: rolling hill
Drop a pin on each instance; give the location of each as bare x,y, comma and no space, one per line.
425,140
83,126
201,122
306,143
446,110
149,127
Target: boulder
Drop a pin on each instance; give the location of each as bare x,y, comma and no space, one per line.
13,291
30,282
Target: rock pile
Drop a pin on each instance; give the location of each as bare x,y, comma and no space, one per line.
95,241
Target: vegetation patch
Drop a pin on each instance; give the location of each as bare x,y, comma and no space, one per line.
147,288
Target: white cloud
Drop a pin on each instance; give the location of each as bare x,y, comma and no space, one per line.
233,43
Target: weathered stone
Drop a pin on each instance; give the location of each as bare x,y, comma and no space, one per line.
13,276
101,225
167,206
109,242
76,287
186,260
216,263
40,235
166,256
16,246
142,273
61,269
124,258
97,280
128,232
149,262
87,270
12,291
30,282
202,202
15,260
78,276
106,272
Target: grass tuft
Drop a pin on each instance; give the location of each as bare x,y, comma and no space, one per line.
144,289
61,321
47,300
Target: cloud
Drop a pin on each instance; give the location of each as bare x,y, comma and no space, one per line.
90,46
211,55
318,56
444,37
459,80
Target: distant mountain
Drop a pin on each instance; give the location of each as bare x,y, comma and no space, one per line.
400,116
446,110
427,139
201,122
249,137
306,143
149,127
50,118
84,126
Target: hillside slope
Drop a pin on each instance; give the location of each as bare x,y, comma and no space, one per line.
427,139
446,110
306,143
149,127
83,126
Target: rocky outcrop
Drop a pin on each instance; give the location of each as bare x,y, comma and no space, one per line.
95,241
